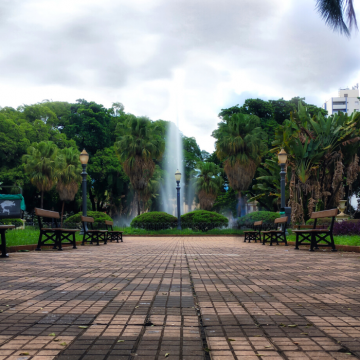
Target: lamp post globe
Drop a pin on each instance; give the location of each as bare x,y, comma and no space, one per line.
84,158
177,179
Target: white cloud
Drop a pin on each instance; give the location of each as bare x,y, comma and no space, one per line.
171,59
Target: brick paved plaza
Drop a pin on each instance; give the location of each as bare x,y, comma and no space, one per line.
180,298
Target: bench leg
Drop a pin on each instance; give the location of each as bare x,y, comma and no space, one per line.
74,242
121,239
312,243
297,242
286,244
332,243
38,248
3,245
263,239
58,240
97,239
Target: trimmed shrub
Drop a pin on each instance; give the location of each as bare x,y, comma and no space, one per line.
203,220
268,217
321,221
154,220
347,227
16,222
98,216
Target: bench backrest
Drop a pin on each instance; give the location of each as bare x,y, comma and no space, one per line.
324,214
281,220
87,219
258,223
42,213
47,213
108,222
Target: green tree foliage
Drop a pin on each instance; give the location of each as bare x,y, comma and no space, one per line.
140,142
240,145
208,183
109,183
68,169
320,152
88,124
39,163
338,14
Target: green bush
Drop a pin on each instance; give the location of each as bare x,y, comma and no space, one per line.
99,217
153,220
323,221
16,222
268,217
203,220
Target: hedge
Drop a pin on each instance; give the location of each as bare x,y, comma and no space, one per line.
268,217
203,220
98,216
154,219
16,222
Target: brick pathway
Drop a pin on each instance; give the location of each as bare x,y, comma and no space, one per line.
180,298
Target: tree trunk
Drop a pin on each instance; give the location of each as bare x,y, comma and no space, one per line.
92,200
42,199
138,203
62,213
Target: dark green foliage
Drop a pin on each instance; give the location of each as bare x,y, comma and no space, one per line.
16,222
149,220
268,217
211,218
322,221
98,216
226,202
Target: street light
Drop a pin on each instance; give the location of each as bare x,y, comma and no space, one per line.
177,179
84,158
282,156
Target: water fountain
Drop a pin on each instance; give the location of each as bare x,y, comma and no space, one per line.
173,160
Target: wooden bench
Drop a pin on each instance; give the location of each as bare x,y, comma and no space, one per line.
276,235
254,234
3,229
314,236
113,234
92,234
54,234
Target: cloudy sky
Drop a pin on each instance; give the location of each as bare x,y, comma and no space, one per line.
179,60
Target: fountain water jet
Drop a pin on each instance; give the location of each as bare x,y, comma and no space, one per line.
173,160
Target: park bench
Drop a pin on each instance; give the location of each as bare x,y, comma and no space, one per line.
314,236
56,234
3,229
113,234
276,235
92,234
254,234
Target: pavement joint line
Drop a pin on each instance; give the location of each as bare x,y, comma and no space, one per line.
200,319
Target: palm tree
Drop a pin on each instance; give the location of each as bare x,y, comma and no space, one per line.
332,11
240,144
68,169
39,163
208,183
139,143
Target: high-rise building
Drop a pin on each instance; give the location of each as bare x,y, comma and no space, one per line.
347,101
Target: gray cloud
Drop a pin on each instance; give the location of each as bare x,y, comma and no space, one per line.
129,52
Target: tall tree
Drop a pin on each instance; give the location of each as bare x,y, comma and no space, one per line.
40,165
140,142
68,170
334,12
240,144
208,183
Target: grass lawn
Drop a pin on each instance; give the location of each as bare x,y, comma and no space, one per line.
352,240
30,236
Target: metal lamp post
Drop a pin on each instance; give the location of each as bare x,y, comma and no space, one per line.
282,156
84,158
177,179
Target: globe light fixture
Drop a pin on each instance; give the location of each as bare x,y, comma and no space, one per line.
84,157
177,175
282,156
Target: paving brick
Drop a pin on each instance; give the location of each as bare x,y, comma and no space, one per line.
191,298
